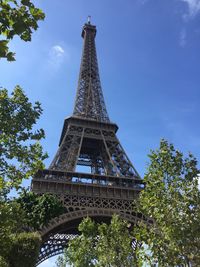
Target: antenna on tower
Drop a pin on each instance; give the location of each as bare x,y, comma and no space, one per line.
89,19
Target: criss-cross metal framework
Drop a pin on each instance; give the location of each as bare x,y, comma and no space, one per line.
88,140
89,102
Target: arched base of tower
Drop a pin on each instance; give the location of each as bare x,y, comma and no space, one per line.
60,230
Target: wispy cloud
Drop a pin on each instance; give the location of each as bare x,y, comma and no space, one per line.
58,50
182,37
193,8
56,56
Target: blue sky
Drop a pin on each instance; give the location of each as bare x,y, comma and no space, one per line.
148,53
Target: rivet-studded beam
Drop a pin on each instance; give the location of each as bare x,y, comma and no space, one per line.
89,98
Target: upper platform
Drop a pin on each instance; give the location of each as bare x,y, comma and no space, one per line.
88,28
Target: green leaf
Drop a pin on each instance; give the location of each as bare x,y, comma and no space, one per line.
17,19
21,153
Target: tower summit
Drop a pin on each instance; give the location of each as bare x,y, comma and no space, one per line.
89,102
88,141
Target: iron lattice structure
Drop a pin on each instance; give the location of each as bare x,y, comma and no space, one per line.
89,102
88,139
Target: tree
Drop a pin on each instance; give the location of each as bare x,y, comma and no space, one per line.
17,18
16,244
21,154
24,249
100,245
39,209
12,221
20,219
172,199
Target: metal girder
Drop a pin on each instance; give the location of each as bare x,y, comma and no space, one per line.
98,148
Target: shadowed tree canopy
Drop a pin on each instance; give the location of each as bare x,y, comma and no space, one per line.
17,246
39,209
17,18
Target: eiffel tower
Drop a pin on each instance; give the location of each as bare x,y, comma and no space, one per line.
88,141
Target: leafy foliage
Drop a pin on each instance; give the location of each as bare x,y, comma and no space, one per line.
24,249
100,245
39,210
12,220
29,212
62,260
17,18
17,247
3,262
172,199
21,154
